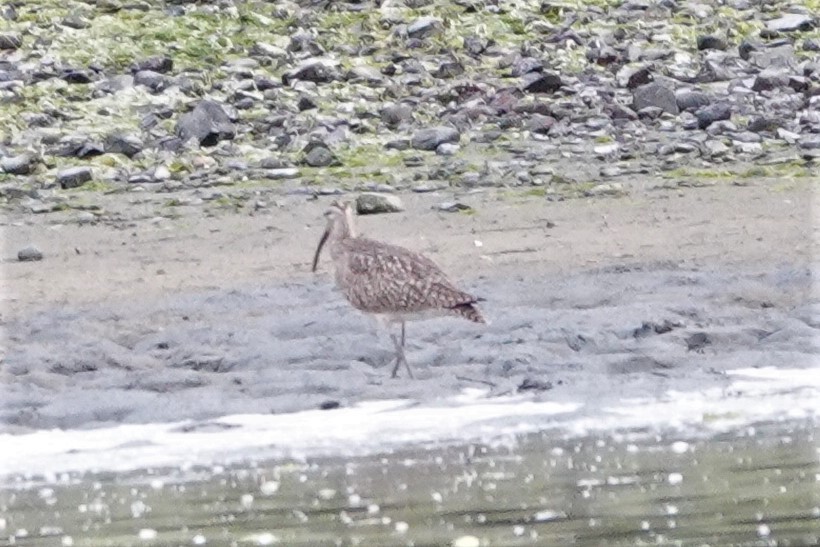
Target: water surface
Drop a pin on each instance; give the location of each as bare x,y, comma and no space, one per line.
755,485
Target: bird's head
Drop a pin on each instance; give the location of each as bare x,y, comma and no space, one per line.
339,217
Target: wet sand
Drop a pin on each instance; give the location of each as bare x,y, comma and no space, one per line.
590,300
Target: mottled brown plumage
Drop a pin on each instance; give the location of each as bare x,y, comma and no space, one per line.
389,281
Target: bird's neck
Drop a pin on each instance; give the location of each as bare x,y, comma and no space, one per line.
338,234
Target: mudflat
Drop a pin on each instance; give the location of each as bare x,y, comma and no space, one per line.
164,319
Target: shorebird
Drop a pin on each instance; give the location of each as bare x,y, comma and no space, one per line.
391,283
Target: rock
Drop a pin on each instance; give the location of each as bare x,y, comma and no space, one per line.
431,138
799,83
371,203
160,174
79,149
330,404
710,41
306,103
606,189
809,142
37,207
606,149
787,136
476,45
452,207
447,149
160,64
715,148
154,81
530,384
127,145
525,65
303,41
12,191
317,154
713,71
707,115
770,78
449,69
315,70
697,341
791,22
29,253
207,123
392,115
631,77
604,55
621,112
117,83
74,177
692,100
281,173
272,163
424,27
539,123
538,82
748,147
746,48
364,73
655,95
22,164
763,123
774,57
397,144
76,21
75,76
10,40
262,49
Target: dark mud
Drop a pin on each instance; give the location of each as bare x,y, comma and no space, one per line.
605,335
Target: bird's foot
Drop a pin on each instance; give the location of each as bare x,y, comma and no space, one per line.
399,360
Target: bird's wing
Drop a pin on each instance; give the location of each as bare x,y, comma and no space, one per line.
383,277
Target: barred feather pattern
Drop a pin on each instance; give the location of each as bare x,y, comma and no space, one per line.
378,277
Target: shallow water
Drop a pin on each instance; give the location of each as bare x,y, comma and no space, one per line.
755,485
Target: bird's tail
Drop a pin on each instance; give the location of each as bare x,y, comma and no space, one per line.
470,311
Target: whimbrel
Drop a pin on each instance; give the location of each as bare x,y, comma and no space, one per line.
390,282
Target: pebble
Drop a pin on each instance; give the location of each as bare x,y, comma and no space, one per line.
453,207
655,95
370,203
208,123
282,173
22,164
432,138
424,27
791,22
317,154
74,177
10,41
161,173
708,115
447,149
29,253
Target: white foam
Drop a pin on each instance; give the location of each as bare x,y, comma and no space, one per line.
755,394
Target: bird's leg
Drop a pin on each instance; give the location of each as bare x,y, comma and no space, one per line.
400,358
403,358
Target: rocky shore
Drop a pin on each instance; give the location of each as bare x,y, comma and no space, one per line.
230,105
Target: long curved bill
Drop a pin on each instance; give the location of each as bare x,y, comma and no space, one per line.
319,249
